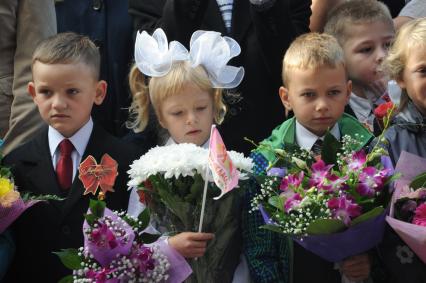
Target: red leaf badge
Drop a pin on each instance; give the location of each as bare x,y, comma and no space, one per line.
93,175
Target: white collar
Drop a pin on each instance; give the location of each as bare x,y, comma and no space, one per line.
306,139
80,139
361,106
170,141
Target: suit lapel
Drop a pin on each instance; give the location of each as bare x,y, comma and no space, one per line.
40,172
93,148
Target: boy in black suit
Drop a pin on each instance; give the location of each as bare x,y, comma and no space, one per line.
65,86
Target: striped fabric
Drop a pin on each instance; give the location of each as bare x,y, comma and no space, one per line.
225,7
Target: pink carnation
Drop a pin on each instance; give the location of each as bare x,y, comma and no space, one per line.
420,215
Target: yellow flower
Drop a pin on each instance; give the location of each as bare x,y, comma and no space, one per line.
5,186
8,199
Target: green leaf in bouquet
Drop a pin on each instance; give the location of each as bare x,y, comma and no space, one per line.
368,215
325,226
67,279
195,190
330,148
5,172
394,177
90,218
144,218
180,208
260,178
373,160
70,258
147,238
300,163
375,156
27,196
419,181
97,207
182,186
273,228
277,202
293,148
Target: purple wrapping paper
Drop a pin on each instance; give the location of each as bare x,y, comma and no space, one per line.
9,214
104,255
179,267
353,241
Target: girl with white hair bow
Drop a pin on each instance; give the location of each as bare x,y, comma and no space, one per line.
185,90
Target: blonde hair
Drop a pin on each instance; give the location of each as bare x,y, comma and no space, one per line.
67,48
412,35
353,12
311,51
157,89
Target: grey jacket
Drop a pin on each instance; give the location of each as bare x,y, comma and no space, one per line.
399,261
408,133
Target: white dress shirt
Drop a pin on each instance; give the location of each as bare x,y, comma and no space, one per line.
306,139
79,140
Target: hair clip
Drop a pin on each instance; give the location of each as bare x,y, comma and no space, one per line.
154,56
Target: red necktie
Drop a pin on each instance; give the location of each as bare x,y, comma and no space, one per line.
64,165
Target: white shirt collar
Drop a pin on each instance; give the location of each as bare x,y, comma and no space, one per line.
80,139
306,139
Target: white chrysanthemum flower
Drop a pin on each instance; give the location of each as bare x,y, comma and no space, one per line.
180,160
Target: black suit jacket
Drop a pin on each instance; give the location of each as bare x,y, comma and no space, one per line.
51,226
264,35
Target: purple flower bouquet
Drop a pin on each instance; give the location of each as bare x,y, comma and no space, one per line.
116,247
116,250
333,206
354,240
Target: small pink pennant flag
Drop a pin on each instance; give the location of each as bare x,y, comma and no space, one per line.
225,175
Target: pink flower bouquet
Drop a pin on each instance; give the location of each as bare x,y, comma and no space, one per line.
116,247
408,209
332,205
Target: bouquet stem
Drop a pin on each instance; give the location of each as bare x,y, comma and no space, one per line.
203,203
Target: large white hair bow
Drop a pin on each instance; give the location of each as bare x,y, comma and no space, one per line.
154,56
213,51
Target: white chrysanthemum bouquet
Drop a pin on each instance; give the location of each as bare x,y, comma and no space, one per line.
171,179
171,182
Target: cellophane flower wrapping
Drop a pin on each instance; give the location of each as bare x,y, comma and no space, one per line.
12,204
171,180
407,216
116,249
8,214
332,205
